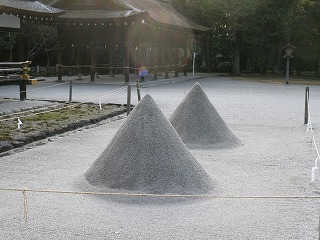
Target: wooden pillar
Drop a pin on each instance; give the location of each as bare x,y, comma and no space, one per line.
185,62
155,63
144,57
166,57
111,62
59,62
160,63
23,90
176,69
126,63
149,57
142,62
92,61
78,63
135,54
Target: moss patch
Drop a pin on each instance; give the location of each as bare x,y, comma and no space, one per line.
40,124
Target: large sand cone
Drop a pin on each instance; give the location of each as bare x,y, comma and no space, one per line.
147,155
199,124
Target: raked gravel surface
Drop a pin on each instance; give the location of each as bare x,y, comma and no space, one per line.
275,160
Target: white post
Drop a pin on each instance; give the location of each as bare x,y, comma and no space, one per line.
314,170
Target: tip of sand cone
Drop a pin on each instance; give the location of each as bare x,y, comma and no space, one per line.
197,85
146,103
199,124
147,97
146,155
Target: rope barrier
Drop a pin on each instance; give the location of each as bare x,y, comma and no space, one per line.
117,194
310,129
108,93
37,89
119,67
76,66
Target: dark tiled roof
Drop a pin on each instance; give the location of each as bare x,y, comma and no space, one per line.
160,11
164,13
29,7
98,14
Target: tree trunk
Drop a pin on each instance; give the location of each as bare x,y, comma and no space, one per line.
48,59
10,55
208,55
236,60
48,63
278,58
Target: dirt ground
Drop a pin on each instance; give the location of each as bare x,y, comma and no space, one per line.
262,189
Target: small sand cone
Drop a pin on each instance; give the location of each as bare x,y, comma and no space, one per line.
147,155
199,124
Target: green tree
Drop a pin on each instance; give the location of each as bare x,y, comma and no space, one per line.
306,34
236,14
225,16
257,29
267,32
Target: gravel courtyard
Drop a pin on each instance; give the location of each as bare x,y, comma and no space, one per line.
262,190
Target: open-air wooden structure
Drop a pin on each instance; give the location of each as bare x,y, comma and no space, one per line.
146,33
12,13
140,28
30,10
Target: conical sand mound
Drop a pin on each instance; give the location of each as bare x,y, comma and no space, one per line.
199,124
147,155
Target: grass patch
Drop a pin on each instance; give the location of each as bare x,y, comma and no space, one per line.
64,115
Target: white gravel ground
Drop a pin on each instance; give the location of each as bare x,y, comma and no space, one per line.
275,160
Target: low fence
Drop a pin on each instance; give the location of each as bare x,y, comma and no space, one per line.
94,70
